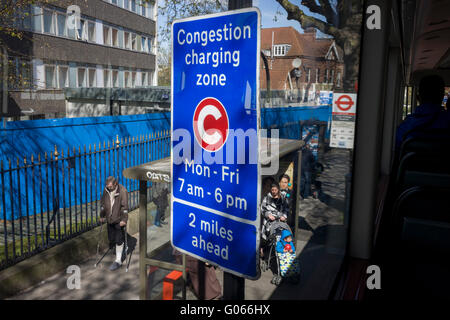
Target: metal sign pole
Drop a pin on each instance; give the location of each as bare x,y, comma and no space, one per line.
234,286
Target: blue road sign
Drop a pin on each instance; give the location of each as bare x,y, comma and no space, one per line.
215,141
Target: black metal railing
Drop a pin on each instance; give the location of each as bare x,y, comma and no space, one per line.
48,200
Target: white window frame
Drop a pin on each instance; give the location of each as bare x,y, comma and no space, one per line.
332,76
325,79
338,79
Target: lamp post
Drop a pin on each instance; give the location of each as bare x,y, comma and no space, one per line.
296,63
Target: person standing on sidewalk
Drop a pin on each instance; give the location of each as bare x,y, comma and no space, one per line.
114,209
308,164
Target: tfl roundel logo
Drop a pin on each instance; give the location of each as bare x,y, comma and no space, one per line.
210,124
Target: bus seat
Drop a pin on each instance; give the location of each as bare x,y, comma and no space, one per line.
422,218
423,170
431,142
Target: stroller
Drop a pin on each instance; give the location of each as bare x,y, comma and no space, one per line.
271,259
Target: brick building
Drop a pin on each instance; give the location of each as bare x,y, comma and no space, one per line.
321,68
110,44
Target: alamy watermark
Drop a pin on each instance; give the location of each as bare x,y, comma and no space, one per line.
241,147
74,281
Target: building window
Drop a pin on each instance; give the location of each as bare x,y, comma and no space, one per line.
107,36
133,5
49,24
91,31
332,76
50,77
61,24
127,40
150,12
92,79
317,75
150,78
133,42
115,78
63,77
127,79
106,78
338,79
144,44
133,79
325,79
144,79
125,4
81,77
308,75
115,37
280,49
82,32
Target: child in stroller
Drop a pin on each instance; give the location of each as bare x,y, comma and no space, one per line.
279,254
287,260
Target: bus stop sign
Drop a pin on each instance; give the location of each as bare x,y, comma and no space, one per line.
215,139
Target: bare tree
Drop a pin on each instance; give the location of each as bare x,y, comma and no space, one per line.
170,10
343,23
178,9
164,65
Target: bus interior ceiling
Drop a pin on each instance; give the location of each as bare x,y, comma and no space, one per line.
412,237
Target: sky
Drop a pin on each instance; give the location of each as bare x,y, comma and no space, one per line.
269,10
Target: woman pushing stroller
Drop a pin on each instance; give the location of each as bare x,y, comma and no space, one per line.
275,233
273,208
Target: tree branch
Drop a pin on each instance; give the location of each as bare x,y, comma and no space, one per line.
294,13
329,12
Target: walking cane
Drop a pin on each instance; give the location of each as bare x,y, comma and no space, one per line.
126,246
99,237
98,247
95,265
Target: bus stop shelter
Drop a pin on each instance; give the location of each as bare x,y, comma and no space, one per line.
288,157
